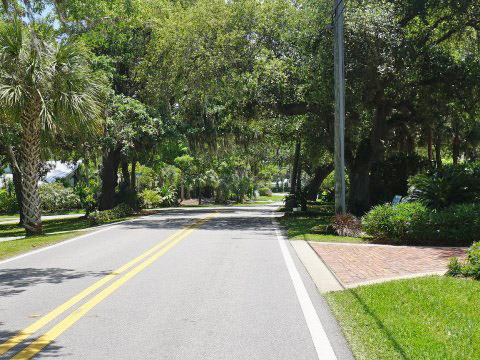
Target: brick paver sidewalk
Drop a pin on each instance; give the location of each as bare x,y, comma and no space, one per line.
354,264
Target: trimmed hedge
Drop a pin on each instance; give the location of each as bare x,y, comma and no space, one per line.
413,223
106,216
264,191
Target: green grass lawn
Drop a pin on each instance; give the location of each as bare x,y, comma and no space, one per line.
425,318
270,198
49,226
309,228
16,247
5,217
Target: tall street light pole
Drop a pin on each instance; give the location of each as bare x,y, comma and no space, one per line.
339,7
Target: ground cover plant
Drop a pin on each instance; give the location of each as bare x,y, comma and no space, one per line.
423,318
468,268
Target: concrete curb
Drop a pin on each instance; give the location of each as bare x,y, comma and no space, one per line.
322,276
386,245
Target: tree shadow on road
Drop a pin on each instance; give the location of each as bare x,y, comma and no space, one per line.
52,350
257,221
16,281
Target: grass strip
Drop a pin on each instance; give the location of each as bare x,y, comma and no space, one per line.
307,228
16,247
424,318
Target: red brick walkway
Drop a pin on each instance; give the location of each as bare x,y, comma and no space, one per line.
355,264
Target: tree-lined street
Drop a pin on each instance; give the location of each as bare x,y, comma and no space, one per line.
223,291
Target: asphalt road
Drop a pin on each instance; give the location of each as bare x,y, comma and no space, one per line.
185,284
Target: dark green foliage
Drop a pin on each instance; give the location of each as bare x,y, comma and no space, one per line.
87,198
390,177
471,267
448,185
8,202
413,223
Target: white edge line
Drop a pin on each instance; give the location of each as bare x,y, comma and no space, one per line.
68,241
320,340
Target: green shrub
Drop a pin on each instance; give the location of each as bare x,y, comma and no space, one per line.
471,267
415,224
455,268
56,197
395,224
87,198
163,197
103,217
150,198
446,186
456,225
265,191
8,202
168,195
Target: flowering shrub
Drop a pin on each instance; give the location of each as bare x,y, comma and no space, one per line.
56,197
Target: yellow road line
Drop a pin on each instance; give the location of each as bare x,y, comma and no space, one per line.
30,330
71,319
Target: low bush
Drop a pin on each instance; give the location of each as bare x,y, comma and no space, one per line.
168,195
106,216
395,224
471,266
8,202
150,198
162,197
56,197
264,191
414,223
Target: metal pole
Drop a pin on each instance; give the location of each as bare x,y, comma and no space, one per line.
340,207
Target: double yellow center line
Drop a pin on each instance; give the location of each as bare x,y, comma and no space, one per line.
71,319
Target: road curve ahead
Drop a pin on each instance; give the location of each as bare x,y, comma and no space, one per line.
185,284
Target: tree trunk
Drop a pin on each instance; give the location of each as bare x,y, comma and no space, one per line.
321,172
133,181
438,153
456,148
296,160
125,174
17,183
29,166
430,144
109,175
359,194
299,178
182,191
199,196
360,165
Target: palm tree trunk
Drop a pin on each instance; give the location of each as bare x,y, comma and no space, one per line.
29,165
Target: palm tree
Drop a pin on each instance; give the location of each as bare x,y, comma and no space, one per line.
47,87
